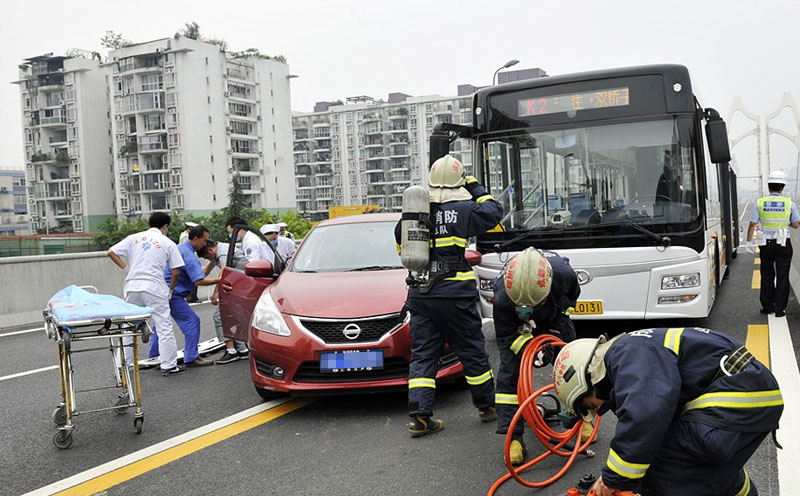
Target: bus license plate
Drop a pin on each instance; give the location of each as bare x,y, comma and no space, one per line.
592,307
350,361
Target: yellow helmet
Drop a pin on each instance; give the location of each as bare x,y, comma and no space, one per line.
571,374
528,277
446,180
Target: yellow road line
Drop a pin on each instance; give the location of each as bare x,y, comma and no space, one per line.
757,261
756,283
758,342
157,460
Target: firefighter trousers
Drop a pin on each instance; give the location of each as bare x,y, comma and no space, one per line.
455,321
696,458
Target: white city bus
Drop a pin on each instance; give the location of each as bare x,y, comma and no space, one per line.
609,169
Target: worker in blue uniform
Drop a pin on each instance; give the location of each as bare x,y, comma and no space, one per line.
692,406
444,310
535,294
190,276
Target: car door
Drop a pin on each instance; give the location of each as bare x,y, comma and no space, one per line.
240,292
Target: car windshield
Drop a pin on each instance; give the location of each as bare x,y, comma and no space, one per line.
360,246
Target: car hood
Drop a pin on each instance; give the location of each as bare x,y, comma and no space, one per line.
338,295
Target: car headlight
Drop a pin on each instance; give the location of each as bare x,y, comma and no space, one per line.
267,317
681,281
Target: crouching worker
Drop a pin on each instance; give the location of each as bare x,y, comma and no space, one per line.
535,294
692,407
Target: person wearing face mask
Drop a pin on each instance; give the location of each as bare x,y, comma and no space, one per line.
535,294
692,404
285,247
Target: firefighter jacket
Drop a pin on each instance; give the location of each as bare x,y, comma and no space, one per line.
453,224
552,314
657,376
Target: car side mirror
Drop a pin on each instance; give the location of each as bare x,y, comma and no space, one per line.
260,268
717,138
474,257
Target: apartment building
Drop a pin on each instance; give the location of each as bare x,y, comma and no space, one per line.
13,203
188,119
366,152
67,144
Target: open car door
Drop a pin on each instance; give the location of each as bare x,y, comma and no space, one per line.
242,284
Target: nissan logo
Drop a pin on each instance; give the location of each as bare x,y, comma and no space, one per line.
351,331
583,276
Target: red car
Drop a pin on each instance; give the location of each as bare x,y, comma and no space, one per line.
333,318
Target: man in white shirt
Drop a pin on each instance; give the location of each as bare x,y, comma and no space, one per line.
149,254
252,246
284,246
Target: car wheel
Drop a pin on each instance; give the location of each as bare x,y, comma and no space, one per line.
268,394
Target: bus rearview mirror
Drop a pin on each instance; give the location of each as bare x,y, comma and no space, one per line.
717,137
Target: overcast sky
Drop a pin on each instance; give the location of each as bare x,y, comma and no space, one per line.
343,48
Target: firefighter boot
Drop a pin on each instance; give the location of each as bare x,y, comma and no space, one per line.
487,414
586,431
418,425
517,451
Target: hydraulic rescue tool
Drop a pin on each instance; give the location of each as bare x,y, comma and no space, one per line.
416,235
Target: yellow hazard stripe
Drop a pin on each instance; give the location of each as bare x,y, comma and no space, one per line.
484,198
480,379
462,276
421,382
518,343
450,241
745,490
506,399
736,399
626,469
672,339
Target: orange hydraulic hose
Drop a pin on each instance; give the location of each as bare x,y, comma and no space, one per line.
527,396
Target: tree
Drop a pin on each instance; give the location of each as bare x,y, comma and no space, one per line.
262,217
237,204
113,231
191,31
295,224
113,41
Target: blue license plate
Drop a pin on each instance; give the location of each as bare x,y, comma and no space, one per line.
350,361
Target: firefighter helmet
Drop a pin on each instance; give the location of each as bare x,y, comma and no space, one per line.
528,277
571,374
446,180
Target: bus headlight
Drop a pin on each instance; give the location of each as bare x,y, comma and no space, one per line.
681,281
267,317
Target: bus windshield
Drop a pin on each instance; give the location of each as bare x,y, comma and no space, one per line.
595,176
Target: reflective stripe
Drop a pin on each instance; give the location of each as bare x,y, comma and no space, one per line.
569,311
462,276
734,399
626,469
506,399
475,381
398,248
774,211
745,490
672,339
451,241
484,198
471,179
518,343
421,382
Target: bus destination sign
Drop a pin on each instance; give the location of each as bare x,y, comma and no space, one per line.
572,102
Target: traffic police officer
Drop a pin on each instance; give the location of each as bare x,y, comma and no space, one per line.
445,309
535,294
692,407
775,213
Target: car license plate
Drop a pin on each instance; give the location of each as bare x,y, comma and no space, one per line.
350,361
591,307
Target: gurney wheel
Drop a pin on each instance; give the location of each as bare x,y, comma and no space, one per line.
60,415
62,439
137,424
145,333
122,405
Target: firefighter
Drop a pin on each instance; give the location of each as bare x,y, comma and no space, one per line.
535,294
444,310
776,213
692,407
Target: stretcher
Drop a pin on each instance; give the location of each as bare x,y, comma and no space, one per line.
76,314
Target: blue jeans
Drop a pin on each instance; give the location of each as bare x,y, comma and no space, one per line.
188,322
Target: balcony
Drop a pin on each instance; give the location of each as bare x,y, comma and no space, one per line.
57,117
156,147
370,130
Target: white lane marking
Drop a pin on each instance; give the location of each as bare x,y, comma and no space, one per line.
152,450
199,303
784,367
21,332
744,211
21,374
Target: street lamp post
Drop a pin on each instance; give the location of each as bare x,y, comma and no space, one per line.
505,66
